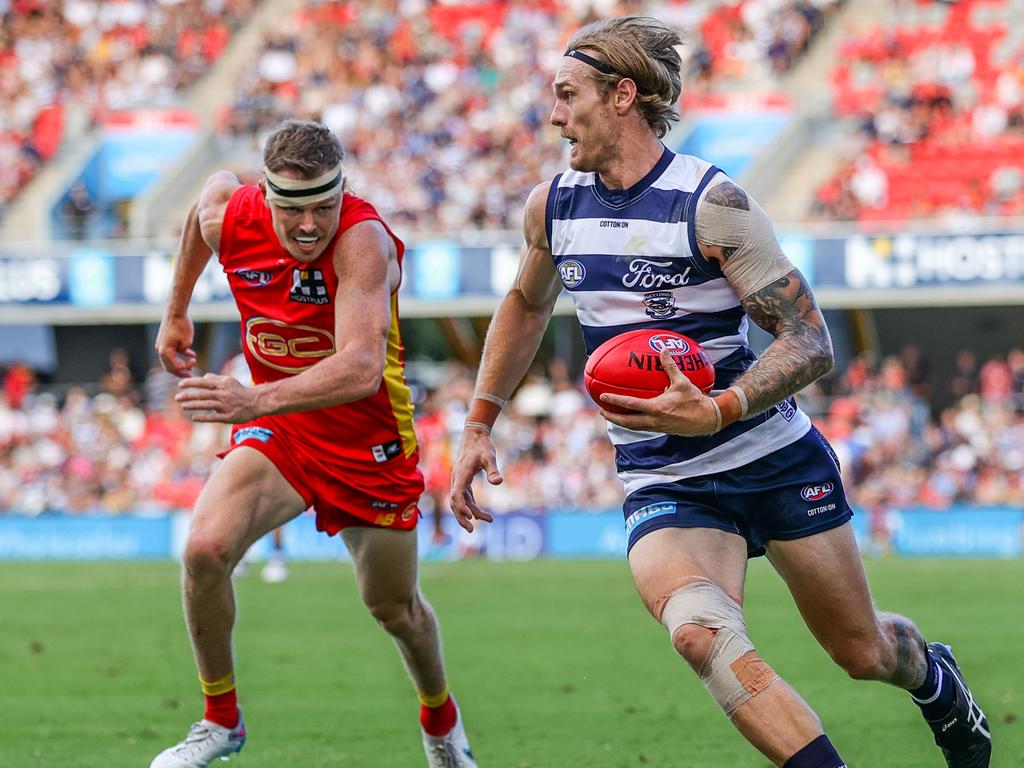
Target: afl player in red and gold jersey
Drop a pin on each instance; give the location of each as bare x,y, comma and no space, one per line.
314,271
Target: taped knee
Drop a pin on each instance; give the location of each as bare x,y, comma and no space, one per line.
707,628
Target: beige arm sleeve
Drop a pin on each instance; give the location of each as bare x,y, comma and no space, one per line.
758,259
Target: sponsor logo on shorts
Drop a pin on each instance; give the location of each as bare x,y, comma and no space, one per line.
254,277
816,492
253,433
386,451
787,409
649,512
572,272
673,344
388,519
819,510
380,504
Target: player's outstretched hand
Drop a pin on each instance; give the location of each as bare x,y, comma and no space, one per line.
682,409
174,346
476,453
217,398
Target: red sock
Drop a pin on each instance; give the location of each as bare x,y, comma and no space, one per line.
437,721
222,709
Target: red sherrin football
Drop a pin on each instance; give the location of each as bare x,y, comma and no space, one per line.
629,364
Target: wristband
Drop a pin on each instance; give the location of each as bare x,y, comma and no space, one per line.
477,425
742,397
485,410
492,399
718,416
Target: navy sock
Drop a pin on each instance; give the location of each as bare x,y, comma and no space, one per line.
937,694
818,754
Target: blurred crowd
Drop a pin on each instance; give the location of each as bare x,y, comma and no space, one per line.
896,453
79,59
938,95
127,447
443,108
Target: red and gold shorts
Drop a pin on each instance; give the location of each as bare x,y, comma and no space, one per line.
384,496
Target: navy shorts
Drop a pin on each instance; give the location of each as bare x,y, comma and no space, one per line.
789,494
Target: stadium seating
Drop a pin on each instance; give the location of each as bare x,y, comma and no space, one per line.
438,104
940,105
84,57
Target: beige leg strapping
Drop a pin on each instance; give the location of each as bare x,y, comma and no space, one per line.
732,671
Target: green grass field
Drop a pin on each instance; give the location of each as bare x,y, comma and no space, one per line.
556,665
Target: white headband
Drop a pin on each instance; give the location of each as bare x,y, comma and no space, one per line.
282,190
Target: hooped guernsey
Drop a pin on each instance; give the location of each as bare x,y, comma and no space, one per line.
629,258
355,463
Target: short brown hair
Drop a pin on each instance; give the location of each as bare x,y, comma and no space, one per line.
643,49
302,146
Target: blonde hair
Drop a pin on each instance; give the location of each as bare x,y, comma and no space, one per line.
302,146
643,49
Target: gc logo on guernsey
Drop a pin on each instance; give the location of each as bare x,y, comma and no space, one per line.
286,347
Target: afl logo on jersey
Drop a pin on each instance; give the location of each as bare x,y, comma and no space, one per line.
673,344
284,347
254,277
572,273
816,492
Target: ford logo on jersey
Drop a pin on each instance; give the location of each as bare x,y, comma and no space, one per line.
816,492
668,341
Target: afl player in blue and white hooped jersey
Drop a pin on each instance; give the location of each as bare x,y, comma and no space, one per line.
645,238
630,260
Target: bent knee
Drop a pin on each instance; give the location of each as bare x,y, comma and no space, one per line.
693,643
707,630
861,661
397,617
207,557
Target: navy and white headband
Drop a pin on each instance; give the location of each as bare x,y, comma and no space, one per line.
284,191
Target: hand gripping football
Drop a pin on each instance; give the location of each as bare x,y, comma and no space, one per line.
629,364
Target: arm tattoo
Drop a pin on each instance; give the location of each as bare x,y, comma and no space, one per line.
728,195
911,665
802,350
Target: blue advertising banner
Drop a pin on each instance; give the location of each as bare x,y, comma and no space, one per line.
514,536
962,533
85,538
42,280
130,161
586,534
733,138
126,274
